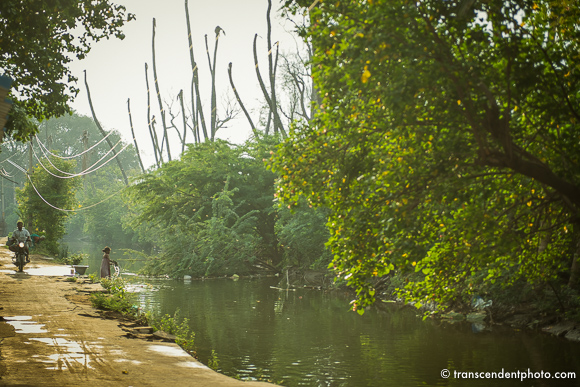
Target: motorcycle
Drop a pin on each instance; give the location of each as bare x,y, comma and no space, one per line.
20,258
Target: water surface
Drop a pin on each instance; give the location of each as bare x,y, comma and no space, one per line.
310,338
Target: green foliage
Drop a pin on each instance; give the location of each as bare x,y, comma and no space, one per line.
177,326
56,32
101,195
46,201
222,244
74,259
114,284
213,362
117,297
210,212
444,144
303,234
94,278
118,302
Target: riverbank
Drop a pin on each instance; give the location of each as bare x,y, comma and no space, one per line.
515,315
50,335
483,313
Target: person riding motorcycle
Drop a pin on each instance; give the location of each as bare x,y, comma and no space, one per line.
20,235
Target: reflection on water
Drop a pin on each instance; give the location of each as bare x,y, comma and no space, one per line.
24,324
310,338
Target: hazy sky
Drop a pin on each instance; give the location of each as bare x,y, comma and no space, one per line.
116,68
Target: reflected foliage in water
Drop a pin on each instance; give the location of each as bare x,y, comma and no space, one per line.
309,337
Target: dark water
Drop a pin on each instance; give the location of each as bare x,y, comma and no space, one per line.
310,338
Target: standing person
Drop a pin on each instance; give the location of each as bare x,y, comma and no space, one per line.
106,263
20,235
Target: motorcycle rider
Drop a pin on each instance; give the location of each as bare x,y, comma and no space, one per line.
20,235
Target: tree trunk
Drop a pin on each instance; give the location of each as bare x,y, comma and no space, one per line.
195,83
133,134
273,109
212,67
152,133
155,79
103,132
184,120
254,130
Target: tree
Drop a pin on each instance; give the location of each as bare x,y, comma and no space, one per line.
38,39
78,138
303,234
176,205
47,201
444,143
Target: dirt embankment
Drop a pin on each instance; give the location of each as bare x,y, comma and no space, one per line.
50,335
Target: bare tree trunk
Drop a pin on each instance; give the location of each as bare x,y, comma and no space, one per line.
276,117
315,98
165,139
272,72
152,133
212,67
256,134
133,134
180,96
195,82
103,132
269,122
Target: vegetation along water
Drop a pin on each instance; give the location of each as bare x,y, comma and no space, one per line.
419,152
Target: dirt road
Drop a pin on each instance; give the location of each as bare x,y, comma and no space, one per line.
51,336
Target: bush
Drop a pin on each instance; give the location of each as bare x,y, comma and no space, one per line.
74,259
173,325
117,299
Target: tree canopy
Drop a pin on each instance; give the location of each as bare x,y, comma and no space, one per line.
446,143
38,39
41,189
213,212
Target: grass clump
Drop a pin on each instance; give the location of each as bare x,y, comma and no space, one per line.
116,297
177,326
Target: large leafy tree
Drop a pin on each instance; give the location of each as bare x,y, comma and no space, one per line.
46,201
76,137
446,142
214,188
38,39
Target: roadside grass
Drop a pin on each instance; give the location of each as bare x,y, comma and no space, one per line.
117,298
174,325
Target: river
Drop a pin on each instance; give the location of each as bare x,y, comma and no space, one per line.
310,338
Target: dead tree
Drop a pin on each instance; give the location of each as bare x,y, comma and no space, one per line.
180,96
156,80
254,130
152,132
103,132
197,110
133,134
212,67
